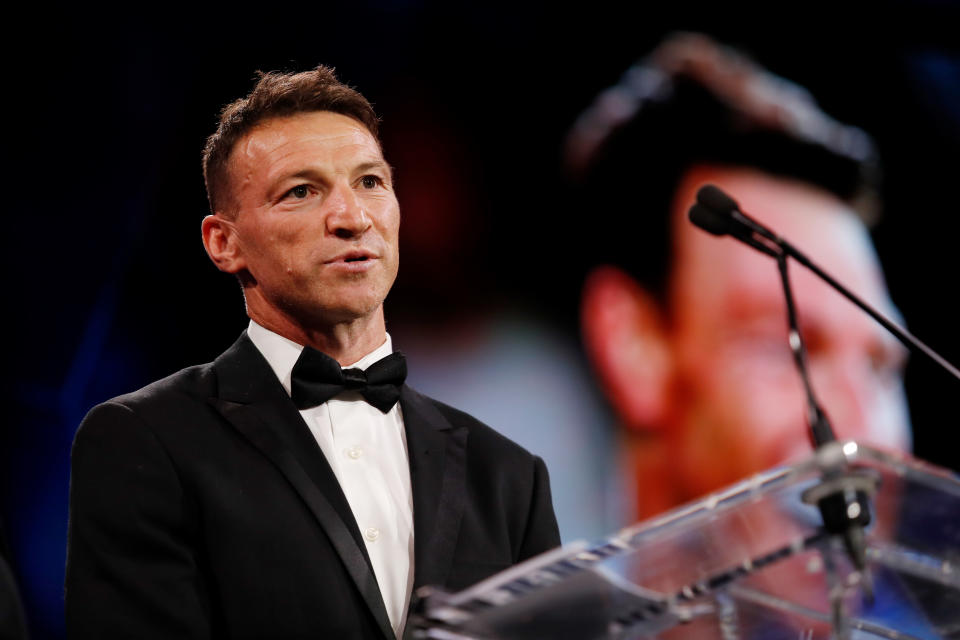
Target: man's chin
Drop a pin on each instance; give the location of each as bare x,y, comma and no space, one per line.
341,314
320,314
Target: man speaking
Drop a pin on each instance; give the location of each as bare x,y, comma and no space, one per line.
294,487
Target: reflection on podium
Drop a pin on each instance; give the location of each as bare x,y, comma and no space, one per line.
750,562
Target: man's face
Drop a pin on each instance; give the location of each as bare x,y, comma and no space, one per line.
316,219
737,402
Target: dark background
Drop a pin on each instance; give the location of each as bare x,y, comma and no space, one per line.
106,280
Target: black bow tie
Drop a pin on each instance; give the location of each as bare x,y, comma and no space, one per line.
317,377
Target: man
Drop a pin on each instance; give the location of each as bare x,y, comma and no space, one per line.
688,333
271,493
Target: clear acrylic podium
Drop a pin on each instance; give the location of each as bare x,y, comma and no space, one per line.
749,562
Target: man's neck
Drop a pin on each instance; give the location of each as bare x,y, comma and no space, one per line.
345,342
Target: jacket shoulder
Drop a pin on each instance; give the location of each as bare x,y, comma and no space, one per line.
165,400
192,383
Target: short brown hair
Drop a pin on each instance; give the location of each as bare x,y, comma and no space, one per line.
277,94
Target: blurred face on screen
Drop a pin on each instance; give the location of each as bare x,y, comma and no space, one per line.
713,375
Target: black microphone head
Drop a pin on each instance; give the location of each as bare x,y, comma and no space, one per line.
710,220
714,198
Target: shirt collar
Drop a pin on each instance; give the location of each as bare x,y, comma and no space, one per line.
281,353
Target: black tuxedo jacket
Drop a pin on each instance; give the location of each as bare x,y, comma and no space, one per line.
201,506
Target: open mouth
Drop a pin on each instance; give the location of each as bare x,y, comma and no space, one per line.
353,259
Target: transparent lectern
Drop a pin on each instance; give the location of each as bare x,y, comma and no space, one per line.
751,562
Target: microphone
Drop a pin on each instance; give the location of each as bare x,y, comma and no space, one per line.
719,214
730,218
722,224
713,197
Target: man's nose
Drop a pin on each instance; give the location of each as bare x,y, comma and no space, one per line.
346,217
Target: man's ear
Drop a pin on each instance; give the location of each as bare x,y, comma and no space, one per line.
220,241
625,337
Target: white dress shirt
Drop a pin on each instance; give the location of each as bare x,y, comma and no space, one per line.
367,451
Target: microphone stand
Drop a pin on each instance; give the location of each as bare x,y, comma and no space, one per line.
841,499
820,430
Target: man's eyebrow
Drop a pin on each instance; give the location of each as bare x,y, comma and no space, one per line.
374,164
310,173
303,173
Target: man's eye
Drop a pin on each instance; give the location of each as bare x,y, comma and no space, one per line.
370,182
300,191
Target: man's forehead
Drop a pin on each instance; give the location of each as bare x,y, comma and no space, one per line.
320,134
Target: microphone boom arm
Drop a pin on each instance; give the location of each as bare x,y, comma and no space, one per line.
905,337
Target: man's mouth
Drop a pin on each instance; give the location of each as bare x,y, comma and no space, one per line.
353,256
357,259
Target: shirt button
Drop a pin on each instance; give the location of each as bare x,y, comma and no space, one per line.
371,534
354,453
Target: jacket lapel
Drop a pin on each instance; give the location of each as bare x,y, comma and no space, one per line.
252,400
437,451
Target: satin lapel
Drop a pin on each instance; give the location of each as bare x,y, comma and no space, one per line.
253,401
437,453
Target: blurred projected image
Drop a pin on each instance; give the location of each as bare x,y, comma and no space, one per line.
477,345
687,332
